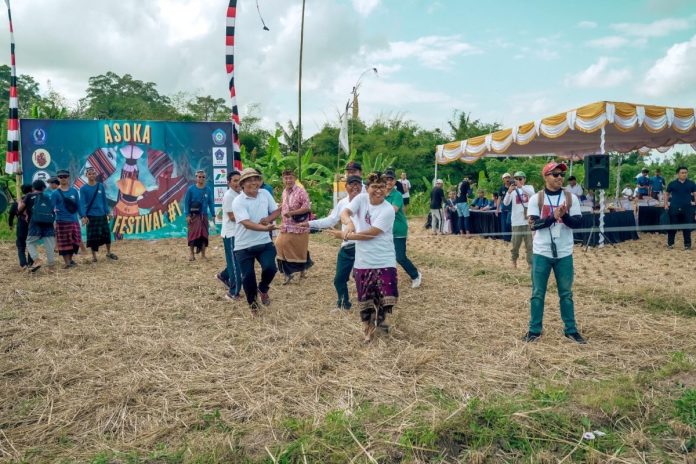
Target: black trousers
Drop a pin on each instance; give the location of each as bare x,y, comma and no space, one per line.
677,217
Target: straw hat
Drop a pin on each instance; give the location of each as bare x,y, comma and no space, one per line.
248,173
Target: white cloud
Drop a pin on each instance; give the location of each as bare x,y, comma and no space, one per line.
587,25
365,7
674,73
612,41
659,28
432,51
597,75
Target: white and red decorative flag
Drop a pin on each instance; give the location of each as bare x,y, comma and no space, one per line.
229,61
12,159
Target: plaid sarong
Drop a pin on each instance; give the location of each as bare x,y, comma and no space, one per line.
377,290
98,232
198,231
68,237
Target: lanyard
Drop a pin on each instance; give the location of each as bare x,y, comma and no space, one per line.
551,205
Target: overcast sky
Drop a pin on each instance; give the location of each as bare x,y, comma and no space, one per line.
505,61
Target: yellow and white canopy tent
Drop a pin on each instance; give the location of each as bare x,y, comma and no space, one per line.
596,128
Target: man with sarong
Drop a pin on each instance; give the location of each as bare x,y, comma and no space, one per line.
95,215
293,241
68,233
198,202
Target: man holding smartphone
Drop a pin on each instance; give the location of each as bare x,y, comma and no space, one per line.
553,214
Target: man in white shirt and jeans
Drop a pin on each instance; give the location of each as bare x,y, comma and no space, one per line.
255,212
518,195
553,214
231,275
346,253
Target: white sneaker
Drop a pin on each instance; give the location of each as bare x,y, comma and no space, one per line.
415,283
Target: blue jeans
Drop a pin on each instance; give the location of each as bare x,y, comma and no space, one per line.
402,259
344,266
463,213
506,225
232,273
265,254
563,271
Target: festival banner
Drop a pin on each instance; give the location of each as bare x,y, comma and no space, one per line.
145,166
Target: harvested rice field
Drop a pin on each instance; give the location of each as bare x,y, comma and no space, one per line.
144,360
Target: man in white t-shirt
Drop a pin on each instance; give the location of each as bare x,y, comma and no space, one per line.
553,214
574,188
518,195
406,186
255,212
231,276
346,253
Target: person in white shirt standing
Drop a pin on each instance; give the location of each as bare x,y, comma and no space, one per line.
518,195
255,212
368,220
574,188
346,253
231,276
553,214
406,186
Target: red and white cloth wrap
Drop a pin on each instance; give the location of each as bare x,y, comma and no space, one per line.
12,158
229,63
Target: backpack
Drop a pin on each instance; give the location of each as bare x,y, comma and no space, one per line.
70,204
568,200
42,211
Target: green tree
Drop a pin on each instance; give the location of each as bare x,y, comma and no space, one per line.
110,96
207,108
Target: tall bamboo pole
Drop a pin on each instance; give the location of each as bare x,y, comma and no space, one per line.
299,100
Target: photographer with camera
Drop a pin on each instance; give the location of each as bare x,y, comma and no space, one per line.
553,214
518,194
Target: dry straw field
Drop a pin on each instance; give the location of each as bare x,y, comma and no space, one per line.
144,360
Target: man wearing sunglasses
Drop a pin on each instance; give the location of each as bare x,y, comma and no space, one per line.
553,214
198,202
68,232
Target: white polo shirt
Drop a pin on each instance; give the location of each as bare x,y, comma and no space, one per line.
228,225
253,209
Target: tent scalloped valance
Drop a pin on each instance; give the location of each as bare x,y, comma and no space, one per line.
576,133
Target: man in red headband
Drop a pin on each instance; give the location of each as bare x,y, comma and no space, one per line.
553,214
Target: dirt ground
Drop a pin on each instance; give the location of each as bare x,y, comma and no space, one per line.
126,354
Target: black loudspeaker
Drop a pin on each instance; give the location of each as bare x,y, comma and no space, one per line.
596,172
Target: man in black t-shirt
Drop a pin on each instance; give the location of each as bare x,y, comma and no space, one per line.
504,212
462,202
680,193
437,198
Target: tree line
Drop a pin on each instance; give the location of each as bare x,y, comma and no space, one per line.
394,142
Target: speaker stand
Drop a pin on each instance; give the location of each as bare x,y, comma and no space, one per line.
602,236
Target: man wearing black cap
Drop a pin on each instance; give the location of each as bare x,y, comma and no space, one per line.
400,229
353,168
68,232
346,254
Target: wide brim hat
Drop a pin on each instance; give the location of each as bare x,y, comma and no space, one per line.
248,173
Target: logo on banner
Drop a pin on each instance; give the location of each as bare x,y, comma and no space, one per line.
220,176
39,136
219,193
41,175
219,156
219,137
218,215
41,158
